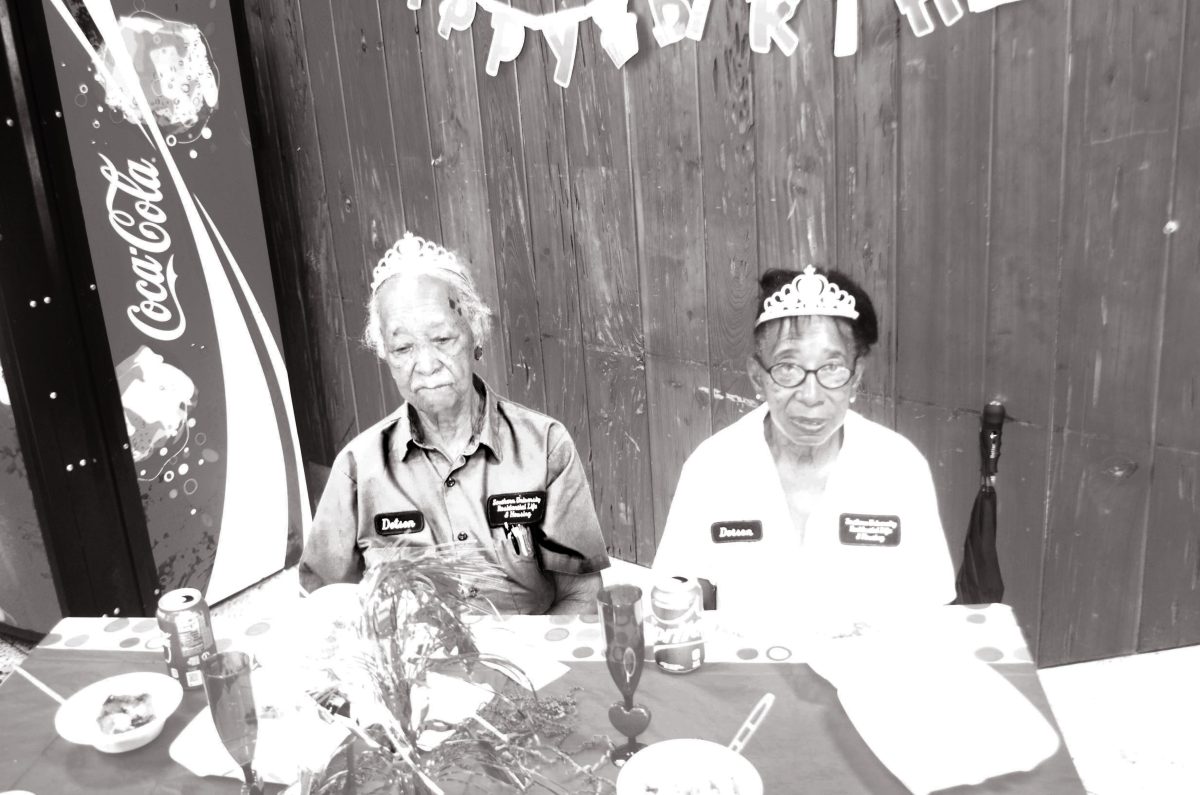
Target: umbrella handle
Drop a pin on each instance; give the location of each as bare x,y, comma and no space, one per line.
989,438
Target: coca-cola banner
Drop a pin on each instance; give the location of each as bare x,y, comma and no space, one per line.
152,101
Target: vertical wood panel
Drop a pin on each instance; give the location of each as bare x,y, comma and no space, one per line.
349,251
1023,273
504,165
1122,111
452,103
794,142
945,119
310,269
376,201
547,177
1179,393
1093,550
1021,519
867,118
284,235
949,440
1170,614
410,121
726,93
664,138
610,302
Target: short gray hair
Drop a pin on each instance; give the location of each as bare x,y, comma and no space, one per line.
413,256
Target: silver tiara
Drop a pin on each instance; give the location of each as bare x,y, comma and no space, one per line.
810,293
409,252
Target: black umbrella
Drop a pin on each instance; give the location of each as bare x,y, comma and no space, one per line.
979,579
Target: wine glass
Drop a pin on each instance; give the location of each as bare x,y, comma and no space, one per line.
231,702
625,652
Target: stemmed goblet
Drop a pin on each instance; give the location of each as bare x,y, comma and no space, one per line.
231,702
625,652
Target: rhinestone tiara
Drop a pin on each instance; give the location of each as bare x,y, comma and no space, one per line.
810,293
411,252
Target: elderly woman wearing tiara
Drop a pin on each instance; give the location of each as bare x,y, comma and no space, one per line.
804,505
455,463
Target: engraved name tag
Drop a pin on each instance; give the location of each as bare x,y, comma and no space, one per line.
744,530
401,523
869,530
522,507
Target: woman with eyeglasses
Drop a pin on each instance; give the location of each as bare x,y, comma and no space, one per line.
803,504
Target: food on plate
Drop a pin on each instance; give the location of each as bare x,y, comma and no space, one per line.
121,714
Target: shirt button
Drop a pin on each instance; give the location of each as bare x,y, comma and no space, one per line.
450,482
463,536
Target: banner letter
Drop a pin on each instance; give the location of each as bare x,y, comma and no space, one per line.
618,30
768,22
845,28
507,41
695,28
562,38
671,20
918,16
455,15
950,10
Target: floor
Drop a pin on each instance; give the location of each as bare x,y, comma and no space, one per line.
1132,724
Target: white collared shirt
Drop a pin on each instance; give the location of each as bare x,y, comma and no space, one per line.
872,543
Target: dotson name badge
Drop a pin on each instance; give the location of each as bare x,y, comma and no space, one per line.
728,532
522,507
870,530
400,523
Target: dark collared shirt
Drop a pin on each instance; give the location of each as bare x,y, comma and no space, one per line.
389,488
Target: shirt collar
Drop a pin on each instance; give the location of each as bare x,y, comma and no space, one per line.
408,433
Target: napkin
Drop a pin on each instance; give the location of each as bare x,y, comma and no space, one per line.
935,715
291,735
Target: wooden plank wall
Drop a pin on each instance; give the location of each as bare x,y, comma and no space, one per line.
1018,192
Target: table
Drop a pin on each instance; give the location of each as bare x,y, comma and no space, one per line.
806,745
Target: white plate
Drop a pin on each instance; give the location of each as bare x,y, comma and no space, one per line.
77,719
683,767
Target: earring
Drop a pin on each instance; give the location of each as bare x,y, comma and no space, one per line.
853,398
478,352
758,396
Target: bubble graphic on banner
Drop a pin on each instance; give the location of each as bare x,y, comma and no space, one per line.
189,486
206,133
157,397
176,70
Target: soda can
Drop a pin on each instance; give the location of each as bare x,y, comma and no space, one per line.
187,635
676,605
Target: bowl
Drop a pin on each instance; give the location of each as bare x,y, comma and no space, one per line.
77,719
688,767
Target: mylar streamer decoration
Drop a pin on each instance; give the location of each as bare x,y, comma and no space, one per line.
674,21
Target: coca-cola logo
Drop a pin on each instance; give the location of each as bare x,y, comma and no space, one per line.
157,312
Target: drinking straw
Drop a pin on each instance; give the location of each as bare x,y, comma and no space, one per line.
753,721
39,684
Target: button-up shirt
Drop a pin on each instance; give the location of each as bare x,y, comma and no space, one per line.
388,487
872,543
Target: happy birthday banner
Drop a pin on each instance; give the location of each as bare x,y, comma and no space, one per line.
674,21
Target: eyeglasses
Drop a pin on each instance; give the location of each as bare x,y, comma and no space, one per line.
788,375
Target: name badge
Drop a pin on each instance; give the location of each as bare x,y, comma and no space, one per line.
729,532
869,530
399,524
522,507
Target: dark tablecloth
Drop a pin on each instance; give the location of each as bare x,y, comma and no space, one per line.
806,744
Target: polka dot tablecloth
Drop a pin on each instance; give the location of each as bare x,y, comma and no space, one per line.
990,632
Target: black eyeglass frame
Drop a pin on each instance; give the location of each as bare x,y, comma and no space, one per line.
816,373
